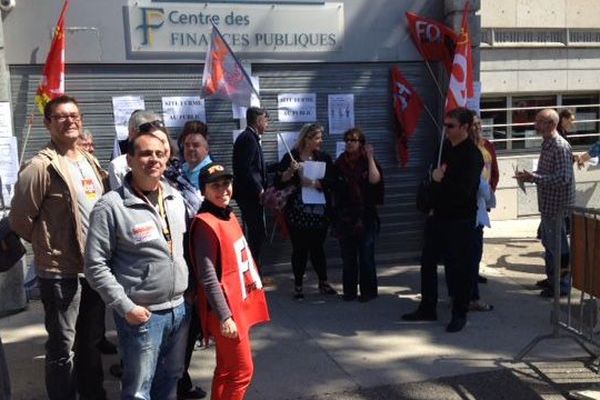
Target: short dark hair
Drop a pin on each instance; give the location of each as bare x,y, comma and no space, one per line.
192,128
131,147
565,113
463,115
55,102
360,135
252,114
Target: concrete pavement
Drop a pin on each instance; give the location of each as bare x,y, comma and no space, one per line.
324,348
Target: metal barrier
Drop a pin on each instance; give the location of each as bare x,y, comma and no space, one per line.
578,316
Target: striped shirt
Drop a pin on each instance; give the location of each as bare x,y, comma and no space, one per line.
554,177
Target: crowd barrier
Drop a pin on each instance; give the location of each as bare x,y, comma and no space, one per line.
577,315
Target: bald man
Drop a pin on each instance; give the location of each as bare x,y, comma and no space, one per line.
555,183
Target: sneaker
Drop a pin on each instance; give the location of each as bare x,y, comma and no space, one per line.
456,324
478,305
420,315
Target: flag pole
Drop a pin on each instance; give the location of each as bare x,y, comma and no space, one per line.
26,139
233,55
437,84
286,146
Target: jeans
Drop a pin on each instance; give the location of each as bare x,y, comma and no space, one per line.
74,319
308,242
153,354
253,216
194,333
450,240
358,258
548,236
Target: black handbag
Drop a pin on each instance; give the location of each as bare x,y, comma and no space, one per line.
11,247
424,195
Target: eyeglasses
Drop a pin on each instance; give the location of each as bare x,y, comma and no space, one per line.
148,126
351,140
62,118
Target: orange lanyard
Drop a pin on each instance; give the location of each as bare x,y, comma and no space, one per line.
163,214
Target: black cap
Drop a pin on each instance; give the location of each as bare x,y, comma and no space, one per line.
213,172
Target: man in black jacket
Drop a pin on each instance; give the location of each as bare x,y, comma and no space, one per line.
250,180
450,228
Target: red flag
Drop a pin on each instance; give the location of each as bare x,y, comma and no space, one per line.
461,77
52,83
434,40
407,110
223,76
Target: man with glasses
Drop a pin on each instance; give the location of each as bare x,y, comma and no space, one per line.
139,121
52,202
449,231
555,182
250,182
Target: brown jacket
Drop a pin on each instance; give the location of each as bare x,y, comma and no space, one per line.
44,211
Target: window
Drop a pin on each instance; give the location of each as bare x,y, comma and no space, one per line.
494,121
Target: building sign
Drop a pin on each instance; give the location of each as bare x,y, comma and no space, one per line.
251,28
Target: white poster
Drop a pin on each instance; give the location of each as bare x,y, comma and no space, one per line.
239,112
297,107
123,106
7,191
236,133
5,119
290,138
341,112
180,109
9,160
313,170
340,147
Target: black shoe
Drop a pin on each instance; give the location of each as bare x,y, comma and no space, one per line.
544,283
548,293
107,347
194,393
420,315
456,324
298,294
481,279
325,288
365,298
348,297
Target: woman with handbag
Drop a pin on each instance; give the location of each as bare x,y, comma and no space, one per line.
307,223
358,192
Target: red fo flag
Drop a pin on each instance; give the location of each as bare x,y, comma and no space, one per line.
434,40
461,77
52,83
407,111
223,76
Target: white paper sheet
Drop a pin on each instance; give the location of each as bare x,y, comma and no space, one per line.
297,107
123,106
313,170
180,109
9,160
5,120
341,112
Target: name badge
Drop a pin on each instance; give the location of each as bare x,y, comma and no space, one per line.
144,232
89,189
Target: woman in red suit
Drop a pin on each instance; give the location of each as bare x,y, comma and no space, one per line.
230,293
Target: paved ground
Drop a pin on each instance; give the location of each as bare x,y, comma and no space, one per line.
324,348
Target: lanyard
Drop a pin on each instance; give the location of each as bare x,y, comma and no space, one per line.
163,214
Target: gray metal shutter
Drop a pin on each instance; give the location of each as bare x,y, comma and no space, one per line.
94,86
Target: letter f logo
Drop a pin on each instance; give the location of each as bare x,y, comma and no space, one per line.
152,18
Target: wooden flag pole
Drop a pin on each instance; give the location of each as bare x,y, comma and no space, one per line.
24,146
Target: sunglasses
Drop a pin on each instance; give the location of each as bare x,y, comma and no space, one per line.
148,126
450,126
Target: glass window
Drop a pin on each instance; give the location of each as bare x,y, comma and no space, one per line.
523,117
493,121
586,118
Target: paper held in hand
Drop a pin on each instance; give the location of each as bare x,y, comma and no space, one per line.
313,170
519,182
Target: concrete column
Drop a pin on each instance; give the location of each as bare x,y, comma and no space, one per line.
12,292
453,10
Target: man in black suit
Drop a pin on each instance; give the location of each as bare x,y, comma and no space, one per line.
250,178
